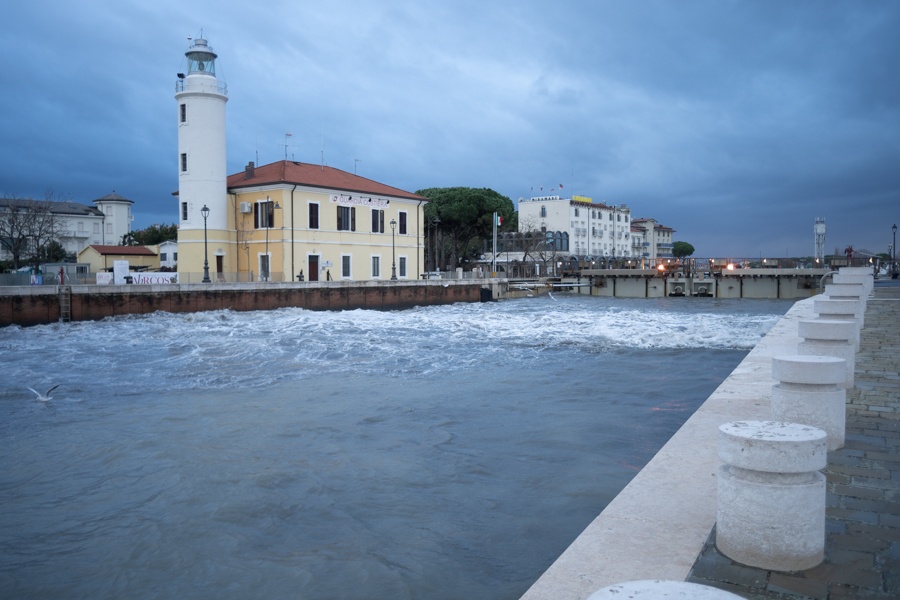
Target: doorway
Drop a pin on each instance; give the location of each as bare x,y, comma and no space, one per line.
313,260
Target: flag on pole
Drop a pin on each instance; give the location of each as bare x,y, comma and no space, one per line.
499,219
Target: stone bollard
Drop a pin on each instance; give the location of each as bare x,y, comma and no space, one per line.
770,509
840,310
808,393
658,589
849,291
867,281
825,337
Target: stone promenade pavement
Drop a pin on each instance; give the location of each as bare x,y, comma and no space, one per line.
862,546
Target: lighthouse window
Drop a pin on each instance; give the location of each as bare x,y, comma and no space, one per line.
184,162
183,115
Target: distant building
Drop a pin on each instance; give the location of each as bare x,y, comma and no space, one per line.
168,254
102,258
578,226
79,225
651,239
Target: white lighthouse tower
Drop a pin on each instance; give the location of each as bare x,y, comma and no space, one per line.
201,99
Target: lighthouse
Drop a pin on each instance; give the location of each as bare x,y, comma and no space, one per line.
201,99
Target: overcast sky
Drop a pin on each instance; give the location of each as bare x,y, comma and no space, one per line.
735,122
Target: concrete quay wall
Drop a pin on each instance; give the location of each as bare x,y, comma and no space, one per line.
658,525
35,305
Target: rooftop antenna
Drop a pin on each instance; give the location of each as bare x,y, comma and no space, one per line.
286,136
355,162
323,148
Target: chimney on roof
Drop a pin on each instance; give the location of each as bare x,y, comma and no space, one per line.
249,170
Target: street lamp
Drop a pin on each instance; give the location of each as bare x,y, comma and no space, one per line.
205,212
393,250
432,253
894,253
270,219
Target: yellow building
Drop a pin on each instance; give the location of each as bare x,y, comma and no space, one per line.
291,221
101,258
320,223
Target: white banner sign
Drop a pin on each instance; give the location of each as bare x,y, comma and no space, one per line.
347,200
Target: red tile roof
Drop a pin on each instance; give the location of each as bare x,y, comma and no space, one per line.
123,250
305,174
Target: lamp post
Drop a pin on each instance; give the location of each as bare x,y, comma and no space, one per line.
894,253
434,257
205,212
270,218
393,250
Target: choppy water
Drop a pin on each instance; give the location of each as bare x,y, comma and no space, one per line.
441,452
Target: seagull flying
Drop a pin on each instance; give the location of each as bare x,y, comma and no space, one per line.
45,396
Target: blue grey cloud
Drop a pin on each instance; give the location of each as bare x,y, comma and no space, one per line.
735,122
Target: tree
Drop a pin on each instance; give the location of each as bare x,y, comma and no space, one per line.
153,235
466,219
27,227
682,250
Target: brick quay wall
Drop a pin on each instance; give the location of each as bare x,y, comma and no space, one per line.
36,305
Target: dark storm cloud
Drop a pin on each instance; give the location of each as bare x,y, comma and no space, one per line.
735,122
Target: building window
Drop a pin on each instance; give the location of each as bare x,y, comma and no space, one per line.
619,218
184,162
345,266
377,221
81,227
346,218
184,214
109,228
401,267
175,256
264,214
376,267
543,212
313,216
610,216
163,257
402,228
576,212
96,227
183,113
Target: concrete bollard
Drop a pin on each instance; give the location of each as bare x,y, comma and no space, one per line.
849,291
824,337
840,310
808,393
867,281
770,509
658,589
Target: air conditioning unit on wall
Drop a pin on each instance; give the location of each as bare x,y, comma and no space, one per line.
246,207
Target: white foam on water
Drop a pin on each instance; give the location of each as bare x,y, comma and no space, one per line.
227,348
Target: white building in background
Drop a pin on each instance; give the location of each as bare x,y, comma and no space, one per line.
651,240
81,225
578,226
168,254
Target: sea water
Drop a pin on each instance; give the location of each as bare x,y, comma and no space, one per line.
439,452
